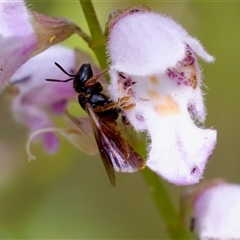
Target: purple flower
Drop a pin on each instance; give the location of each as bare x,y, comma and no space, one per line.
24,33
17,38
154,66
216,210
38,98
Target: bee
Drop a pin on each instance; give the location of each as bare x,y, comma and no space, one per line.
116,153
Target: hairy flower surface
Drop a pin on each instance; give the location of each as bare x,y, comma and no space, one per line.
17,38
154,68
217,212
24,33
37,97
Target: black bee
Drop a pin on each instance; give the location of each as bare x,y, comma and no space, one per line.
115,151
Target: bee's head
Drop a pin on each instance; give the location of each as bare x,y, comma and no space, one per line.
83,74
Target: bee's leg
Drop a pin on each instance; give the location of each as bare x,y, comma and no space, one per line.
125,101
106,107
92,81
125,104
122,103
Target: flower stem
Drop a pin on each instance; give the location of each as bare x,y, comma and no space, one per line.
98,38
84,36
165,207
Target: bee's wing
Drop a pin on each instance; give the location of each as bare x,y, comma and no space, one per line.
103,144
79,133
133,163
109,138
124,157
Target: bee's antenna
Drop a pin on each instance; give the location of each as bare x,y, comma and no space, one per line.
57,80
63,70
59,66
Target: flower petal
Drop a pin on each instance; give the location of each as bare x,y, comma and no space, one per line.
30,78
161,43
35,118
17,38
50,142
23,34
51,30
179,149
217,212
35,95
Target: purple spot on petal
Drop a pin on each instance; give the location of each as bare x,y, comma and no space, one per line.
130,92
192,110
171,73
189,59
178,77
139,117
195,171
128,82
181,73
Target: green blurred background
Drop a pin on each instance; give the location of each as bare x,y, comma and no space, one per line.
68,195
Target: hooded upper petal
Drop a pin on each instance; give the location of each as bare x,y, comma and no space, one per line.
155,41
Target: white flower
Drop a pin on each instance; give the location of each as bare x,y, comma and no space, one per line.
154,65
217,212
